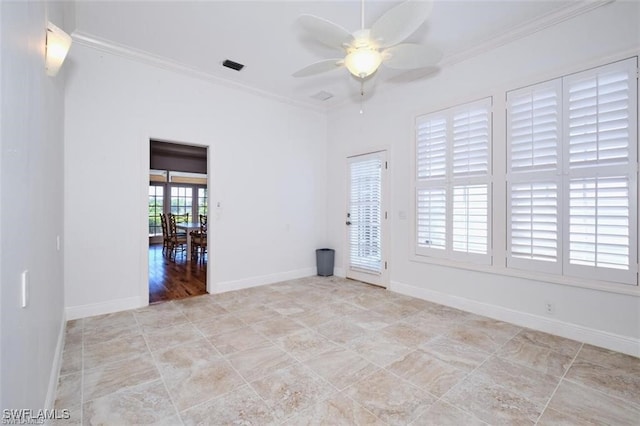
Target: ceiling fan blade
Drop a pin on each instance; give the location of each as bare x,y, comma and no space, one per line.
408,56
319,67
408,76
326,32
400,22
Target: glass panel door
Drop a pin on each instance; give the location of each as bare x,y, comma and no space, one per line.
366,218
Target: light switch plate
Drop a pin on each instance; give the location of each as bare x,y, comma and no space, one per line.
25,288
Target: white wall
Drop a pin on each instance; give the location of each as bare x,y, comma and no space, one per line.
606,318
267,169
31,188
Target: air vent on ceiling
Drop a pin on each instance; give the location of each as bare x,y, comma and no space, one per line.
233,65
322,96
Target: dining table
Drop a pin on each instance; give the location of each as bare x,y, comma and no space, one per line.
188,227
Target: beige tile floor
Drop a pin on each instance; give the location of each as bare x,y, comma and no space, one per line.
333,351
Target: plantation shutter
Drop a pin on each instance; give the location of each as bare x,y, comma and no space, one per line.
453,182
471,137
432,218
599,222
534,221
470,221
431,147
471,130
601,163
598,117
432,135
365,215
534,126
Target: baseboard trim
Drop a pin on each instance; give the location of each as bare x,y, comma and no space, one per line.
90,310
55,365
624,344
232,285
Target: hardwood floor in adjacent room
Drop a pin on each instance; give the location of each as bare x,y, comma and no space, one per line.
169,280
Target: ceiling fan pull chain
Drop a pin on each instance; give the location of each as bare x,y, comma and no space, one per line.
362,97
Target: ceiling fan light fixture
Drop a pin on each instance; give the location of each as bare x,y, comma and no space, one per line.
363,61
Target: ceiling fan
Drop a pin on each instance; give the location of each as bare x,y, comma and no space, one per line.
366,49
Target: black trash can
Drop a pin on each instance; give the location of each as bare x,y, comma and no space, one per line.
324,260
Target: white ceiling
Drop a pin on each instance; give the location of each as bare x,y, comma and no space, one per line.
198,35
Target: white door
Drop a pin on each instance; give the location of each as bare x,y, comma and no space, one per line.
366,219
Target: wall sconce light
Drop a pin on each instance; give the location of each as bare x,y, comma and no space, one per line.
57,47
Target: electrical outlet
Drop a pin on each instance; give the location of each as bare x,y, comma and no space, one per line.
550,308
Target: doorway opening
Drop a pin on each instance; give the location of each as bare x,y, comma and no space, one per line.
178,187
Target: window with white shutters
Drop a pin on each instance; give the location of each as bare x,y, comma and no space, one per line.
453,182
534,126
572,175
601,166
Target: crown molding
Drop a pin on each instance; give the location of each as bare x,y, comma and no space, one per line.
525,29
512,34
107,46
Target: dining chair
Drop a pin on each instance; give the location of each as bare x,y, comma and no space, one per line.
182,218
178,241
199,241
166,237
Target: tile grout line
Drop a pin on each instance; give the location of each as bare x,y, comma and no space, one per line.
303,364
602,365
345,347
559,383
153,359
223,356
585,385
316,374
411,350
467,376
